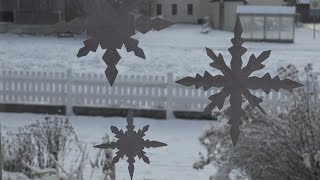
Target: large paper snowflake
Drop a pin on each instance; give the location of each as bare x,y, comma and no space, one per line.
130,143
109,23
236,83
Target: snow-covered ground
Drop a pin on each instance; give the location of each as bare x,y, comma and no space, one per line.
179,49
172,162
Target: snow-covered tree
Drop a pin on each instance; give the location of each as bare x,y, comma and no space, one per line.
282,146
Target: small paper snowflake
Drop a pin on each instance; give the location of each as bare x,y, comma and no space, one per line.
109,23
236,82
130,143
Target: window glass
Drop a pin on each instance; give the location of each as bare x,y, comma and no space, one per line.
174,9
159,9
190,9
73,71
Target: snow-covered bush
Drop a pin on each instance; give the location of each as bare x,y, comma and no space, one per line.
282,146
40,145
51,149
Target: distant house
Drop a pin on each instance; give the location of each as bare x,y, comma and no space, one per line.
15,13
193,11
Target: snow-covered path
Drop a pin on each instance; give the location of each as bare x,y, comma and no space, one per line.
173,162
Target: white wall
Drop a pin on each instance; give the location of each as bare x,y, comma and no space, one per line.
182,13
229,14
205,8
214,14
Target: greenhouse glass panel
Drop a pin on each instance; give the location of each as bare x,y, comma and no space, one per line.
287,24
273,27
267,23
246,22
252,27
258,26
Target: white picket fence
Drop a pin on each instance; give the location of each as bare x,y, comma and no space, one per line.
92,90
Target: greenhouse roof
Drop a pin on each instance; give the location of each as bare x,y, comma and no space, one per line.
303,1
274,10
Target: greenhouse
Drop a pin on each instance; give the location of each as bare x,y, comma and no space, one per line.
267,23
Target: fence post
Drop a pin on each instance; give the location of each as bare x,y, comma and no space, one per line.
316,89
69,99
169,102
4,86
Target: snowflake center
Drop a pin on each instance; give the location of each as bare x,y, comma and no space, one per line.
132,144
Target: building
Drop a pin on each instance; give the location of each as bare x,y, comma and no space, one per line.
35,16
32,11
25,15
222,15
182,11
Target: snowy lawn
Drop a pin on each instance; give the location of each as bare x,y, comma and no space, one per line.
172,162
179,49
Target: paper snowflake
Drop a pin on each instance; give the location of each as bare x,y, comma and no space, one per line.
236,82
130,143
109,23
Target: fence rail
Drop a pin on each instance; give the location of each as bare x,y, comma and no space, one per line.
92,90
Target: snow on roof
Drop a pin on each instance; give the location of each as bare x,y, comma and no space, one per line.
303,1
249,9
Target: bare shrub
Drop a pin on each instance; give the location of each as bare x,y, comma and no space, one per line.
103,162
283,146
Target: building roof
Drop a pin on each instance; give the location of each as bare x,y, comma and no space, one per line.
303,1
230,1
281,10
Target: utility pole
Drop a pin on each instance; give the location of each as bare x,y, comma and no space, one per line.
314,28
221,14
314,11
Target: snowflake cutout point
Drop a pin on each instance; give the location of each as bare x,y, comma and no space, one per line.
110,24
236,82
130,143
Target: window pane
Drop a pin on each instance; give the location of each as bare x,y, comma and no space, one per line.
273,27
190,9
159,9
286,27
174,9
252,27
